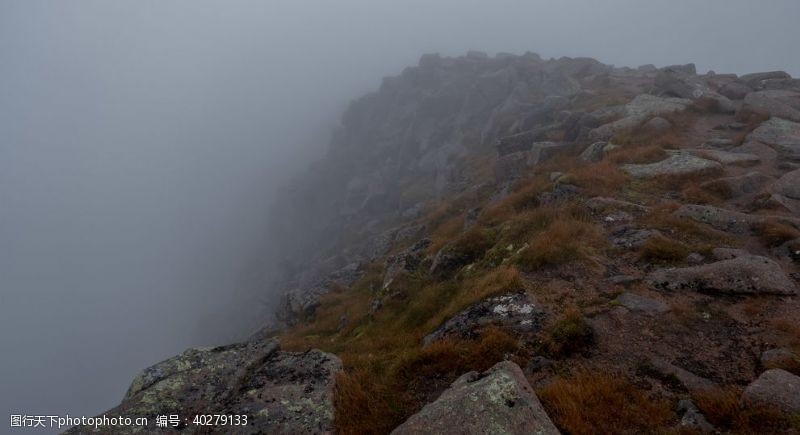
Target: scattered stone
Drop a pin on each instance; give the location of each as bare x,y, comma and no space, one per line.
689,380
644,304
744,275
728,158
594,152
781,134
678,163
515,311
280,392
776,389
692,418
499,400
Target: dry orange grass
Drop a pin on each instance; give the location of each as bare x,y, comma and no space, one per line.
661,249
723,408
592,402
596,179
524,196
775,233
566,239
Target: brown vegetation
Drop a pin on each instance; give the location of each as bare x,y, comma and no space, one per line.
592,402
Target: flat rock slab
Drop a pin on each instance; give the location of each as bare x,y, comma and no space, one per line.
497,401
775,388
280,392
728,158
781,134
744,275
516,311
643,304
678,163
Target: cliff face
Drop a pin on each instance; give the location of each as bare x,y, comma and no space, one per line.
574,246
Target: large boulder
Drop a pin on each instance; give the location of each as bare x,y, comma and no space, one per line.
778,103
756,80
735,90
278,392
775,389
678,163
681,84
781,134
516,311
751,274
639,110
497,401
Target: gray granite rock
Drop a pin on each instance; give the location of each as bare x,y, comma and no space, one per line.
497,401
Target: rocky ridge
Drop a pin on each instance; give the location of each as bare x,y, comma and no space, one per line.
554,215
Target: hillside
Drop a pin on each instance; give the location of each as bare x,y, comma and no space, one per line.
508,244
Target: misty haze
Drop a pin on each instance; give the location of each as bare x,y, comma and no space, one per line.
366,182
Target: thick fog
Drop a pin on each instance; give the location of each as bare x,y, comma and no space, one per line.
142,141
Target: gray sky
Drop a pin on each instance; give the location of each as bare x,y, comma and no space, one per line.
140,143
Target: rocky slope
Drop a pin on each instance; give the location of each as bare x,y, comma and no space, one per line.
510,244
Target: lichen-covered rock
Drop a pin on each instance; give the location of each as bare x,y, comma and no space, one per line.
728,158
751,274
781,134
278,392
776,389
516,311
727,220
679,83
497,401
719,218
678,163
